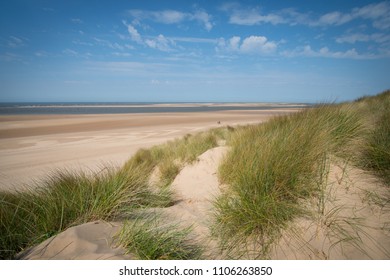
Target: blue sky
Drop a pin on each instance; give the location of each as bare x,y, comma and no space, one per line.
188,51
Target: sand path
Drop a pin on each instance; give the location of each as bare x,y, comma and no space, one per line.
195,187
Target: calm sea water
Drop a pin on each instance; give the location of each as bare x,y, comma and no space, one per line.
124,108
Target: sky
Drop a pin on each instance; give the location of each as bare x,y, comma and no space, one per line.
193,51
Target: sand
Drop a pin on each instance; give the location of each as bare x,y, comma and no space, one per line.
33,146
89,241
194,188
349,226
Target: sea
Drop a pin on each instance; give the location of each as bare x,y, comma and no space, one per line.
133,108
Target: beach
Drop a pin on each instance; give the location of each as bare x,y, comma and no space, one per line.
347,213
33,146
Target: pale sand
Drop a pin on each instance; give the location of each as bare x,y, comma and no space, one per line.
89,241
349,224
347,210
33,146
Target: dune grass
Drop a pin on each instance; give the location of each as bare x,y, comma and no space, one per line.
271,168
153,238
170,157
67,198
376,153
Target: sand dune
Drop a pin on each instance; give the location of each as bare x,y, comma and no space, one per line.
350,227
194,189
89,241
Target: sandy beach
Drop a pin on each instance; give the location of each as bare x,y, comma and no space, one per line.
31,146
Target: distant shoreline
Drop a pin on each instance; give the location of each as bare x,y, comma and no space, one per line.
134,108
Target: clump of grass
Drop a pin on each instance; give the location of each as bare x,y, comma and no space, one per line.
67,199
149,239
171,156
376,152
272,167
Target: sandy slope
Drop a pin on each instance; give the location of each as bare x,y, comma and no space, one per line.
348,224
90,241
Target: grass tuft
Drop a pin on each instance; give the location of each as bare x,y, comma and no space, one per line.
149,239
67,199
272,167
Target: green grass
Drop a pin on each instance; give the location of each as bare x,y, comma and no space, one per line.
271,168
152,238
376,153
170,157
67,198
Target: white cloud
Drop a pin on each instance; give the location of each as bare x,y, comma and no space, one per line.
41,54
172,17
70,52
307,51
250,45
160,42
112,45
76,20
194,40
334,18
257,44
359,37
10,57
15,42
373,11
378,13
168,16
234,43
204,18
135,36
243,16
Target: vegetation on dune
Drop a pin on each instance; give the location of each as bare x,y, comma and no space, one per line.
67,198
152,238
270,170
273,167
376,153
171,156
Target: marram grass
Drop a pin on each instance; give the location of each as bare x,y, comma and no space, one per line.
271,169
152,238
67,198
